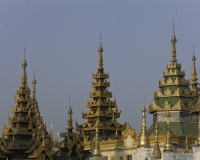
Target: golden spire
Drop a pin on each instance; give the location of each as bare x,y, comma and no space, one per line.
173,40
24,65
186,146
70,120
143,141
100,59
34,83
194,72
156,150
97,149
168,147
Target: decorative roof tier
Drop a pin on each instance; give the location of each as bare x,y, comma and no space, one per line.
72,145
26,133
101,110
174,91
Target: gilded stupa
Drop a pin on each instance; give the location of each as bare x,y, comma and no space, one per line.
176,96
102,111
72,145
26,136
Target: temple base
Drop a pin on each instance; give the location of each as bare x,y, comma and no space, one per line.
97,158
184,156
143,154
196,154
168,156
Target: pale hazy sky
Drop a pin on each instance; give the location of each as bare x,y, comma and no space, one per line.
62,37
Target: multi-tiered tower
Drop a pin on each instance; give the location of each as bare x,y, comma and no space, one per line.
176,96
101,111
26,135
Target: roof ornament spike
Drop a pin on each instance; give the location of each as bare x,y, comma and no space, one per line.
100,39
97,149
168,147
143,141
24,65
100,59
156,150
194,72
173,41
34,83
70,120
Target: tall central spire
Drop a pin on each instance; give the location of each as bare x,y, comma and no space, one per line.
24,65
100,59
173,40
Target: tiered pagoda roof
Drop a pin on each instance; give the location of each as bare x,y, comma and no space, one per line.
175,95
102,111
72,144
26,135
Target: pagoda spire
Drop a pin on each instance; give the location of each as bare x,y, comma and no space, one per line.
24,65
100,59
168,147
156,150
194,72
70,120
97,149
143,141
173,41
34,83
186,146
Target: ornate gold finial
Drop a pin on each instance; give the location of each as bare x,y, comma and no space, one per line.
100,59
70,120
143,141
194,72
186,145
34,83
24,65
97,149
173,40
156,150
100,39
168,147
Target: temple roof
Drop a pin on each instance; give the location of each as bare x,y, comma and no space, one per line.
174,91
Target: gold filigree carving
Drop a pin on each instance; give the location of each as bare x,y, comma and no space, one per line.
168,92
169,81
167,105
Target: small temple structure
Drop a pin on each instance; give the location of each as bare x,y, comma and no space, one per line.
72,145
26,136
101,110
176,95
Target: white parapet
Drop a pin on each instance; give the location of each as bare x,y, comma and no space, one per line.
168,156
144,154
196,151
97,158
184,156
